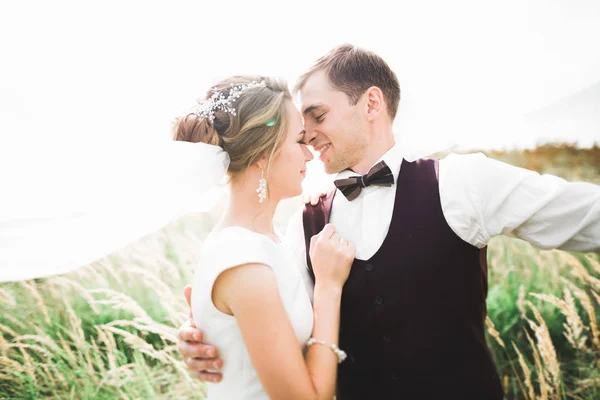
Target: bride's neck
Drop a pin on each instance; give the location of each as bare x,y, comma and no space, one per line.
245,210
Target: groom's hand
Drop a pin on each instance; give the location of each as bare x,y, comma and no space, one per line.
314,198
201,359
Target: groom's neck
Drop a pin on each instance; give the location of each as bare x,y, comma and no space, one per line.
380,142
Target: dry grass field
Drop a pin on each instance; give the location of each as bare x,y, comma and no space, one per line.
108,331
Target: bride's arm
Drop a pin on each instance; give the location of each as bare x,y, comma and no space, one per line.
252,296
250,293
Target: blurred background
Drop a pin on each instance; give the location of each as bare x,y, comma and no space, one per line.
518,80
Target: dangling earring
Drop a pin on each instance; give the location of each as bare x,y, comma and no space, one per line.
262,187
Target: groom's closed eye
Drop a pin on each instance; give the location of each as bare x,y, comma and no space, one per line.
319,118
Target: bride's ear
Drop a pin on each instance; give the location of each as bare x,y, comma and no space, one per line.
262,163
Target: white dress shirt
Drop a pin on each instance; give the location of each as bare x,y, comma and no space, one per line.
481,198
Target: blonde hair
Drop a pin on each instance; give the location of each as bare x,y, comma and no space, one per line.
253,133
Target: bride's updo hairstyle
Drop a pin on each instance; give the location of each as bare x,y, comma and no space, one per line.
249,122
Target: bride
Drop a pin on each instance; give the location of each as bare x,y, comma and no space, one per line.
248,297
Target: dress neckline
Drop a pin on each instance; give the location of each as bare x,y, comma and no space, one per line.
277,243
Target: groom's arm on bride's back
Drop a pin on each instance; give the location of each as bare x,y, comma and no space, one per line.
200,358
482,198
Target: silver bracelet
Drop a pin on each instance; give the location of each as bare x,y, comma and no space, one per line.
341,355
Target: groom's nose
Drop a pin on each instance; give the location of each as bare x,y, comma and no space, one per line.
309,137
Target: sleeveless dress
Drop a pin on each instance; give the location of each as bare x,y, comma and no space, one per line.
227,248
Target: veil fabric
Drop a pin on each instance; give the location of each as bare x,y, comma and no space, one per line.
61,219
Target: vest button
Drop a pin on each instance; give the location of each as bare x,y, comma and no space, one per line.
369,267
378,300
387,338
394,376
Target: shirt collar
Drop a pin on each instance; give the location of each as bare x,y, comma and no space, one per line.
393,158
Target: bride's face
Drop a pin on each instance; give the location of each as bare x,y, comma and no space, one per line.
288,169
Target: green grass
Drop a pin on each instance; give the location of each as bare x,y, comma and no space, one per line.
108,331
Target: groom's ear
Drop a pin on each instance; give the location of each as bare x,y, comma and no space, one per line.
374,102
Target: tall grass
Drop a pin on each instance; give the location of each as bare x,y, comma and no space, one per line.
545,306
108,331
546,303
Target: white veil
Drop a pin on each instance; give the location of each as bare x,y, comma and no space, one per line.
59,219
464,75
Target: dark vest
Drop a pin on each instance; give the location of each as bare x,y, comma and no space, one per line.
412,316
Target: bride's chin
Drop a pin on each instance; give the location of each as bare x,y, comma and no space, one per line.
297,192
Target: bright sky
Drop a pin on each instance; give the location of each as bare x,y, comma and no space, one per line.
113,73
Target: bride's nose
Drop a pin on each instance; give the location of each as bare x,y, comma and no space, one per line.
308,155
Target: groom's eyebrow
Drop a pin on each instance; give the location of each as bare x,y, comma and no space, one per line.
311,108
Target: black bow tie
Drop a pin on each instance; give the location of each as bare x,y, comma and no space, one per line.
380,175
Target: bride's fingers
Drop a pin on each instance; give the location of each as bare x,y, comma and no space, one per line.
328,231
313,241
350,250
335,238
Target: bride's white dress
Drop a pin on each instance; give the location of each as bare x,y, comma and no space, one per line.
228,248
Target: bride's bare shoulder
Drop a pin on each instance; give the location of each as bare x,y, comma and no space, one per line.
242,283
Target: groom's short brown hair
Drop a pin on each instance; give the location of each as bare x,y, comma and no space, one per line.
353,70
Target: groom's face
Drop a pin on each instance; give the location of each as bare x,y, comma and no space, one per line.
335,128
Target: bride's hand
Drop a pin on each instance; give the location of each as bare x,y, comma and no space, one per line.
331,257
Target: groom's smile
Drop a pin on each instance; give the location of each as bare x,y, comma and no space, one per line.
322,149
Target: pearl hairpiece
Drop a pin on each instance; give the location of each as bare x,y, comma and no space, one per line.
217,101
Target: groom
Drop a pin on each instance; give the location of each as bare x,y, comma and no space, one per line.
413,308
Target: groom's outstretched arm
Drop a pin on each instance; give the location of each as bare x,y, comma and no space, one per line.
201,359
483,198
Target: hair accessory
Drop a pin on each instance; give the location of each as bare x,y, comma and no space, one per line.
218,101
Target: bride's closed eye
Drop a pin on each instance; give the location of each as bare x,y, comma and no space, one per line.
301,135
